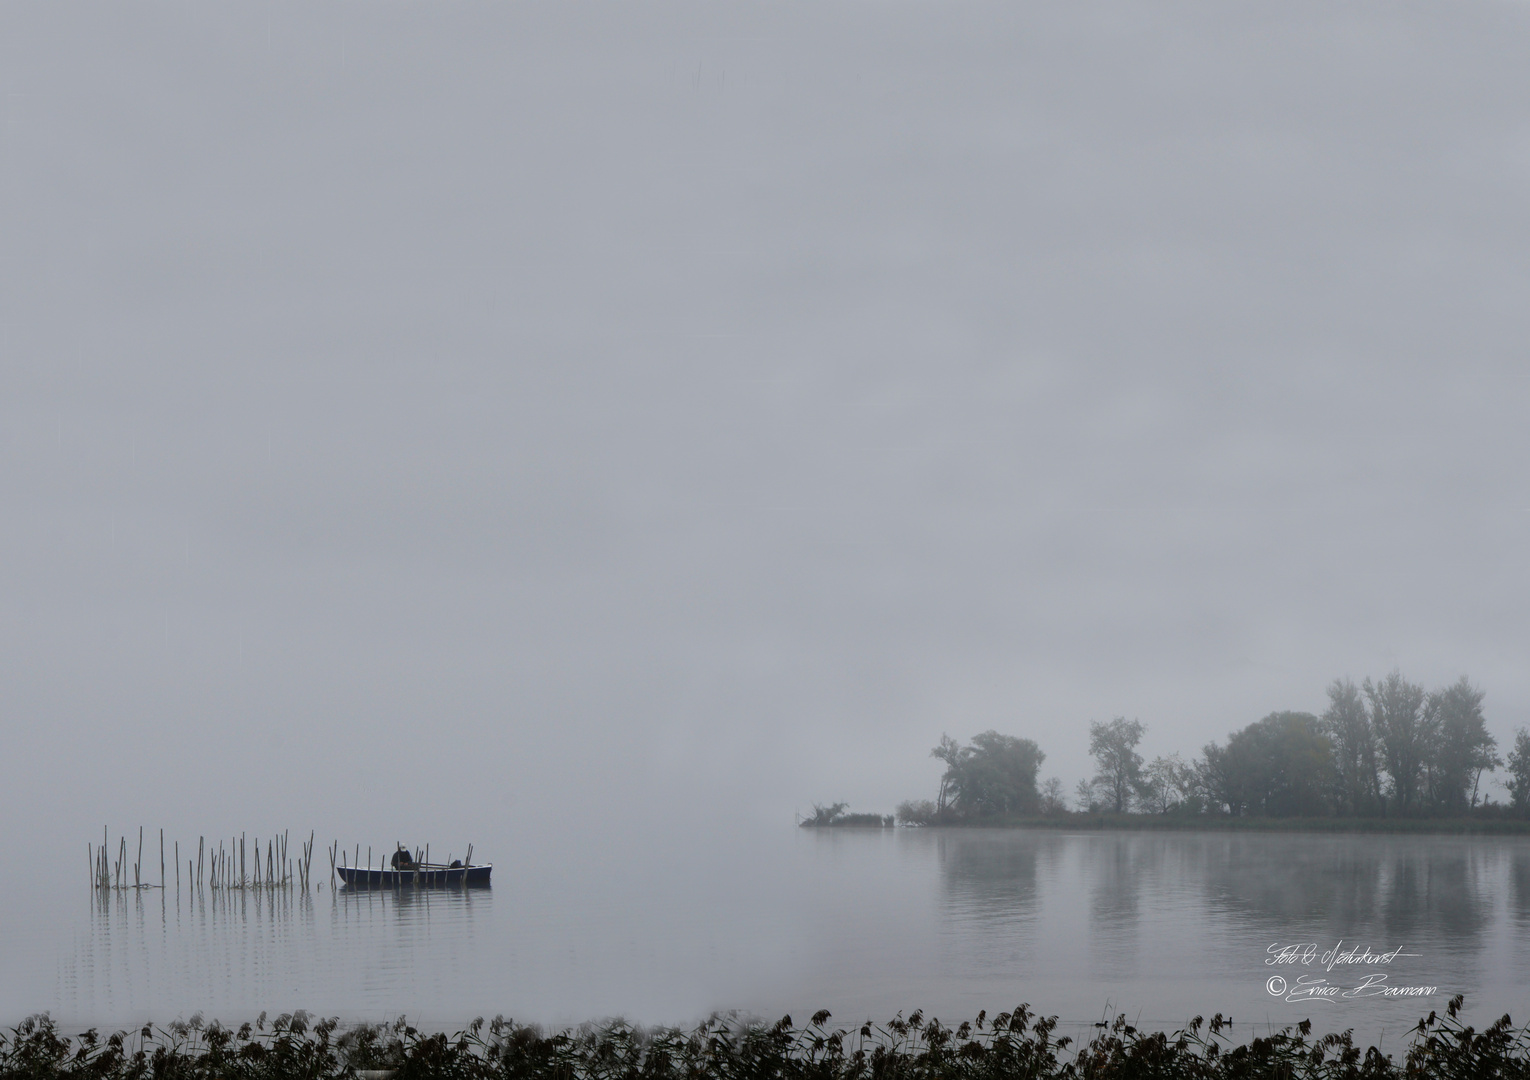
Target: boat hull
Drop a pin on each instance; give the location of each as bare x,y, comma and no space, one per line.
362,877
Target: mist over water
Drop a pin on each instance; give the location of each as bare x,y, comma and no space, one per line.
596,434
864,923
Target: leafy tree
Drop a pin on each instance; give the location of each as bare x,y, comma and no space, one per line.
1519,771
1222,786
1114,748
1463,748
1348,728
1406,733
1281,766
994,775
1083,791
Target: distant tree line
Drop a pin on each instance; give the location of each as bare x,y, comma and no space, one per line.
1382,749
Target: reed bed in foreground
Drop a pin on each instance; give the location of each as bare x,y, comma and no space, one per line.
1009,1046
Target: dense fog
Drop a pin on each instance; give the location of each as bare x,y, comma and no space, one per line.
570,421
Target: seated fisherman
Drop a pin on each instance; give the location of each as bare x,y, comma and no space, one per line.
403,860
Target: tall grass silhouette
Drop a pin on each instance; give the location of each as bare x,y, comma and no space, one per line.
1010,1046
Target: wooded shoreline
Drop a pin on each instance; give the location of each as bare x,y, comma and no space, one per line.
1386,756
1067,820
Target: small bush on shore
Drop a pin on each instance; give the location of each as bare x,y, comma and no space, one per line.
1015,1045
834,816
917,812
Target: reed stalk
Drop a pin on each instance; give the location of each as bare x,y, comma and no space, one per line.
1018,1044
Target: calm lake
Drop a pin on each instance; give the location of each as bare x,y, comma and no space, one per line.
864,923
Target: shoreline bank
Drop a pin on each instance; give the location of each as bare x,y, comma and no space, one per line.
1152,822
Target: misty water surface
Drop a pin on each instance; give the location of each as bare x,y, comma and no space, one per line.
865,923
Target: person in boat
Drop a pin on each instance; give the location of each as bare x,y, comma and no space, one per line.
403,860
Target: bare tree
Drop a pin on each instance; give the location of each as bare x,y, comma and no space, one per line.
1166,782
1053,799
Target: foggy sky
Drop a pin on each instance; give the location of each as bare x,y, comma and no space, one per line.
640,412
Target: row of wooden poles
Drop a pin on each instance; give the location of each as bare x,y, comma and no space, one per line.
421,856
230,867
240,865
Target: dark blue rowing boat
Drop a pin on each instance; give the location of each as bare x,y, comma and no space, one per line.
428,874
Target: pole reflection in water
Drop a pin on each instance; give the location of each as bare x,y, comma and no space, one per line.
234,953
